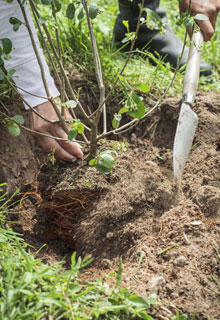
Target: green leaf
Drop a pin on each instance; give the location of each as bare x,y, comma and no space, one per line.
119,274
116,120
2,75
57,5
106,160
138,301
109,152
42,20
70,11
10,73
125,23
81,14
72,134
142,87
15,22
3,238
123,110
69,104
9,1
200,16
13,128
93,10
7,45
140,112
103,169
92,162
19,119
46,2
153,20
80,128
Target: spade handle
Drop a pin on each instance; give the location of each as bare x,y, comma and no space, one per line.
192,72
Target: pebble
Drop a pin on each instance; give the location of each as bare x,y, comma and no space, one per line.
155,284
212,152
180,261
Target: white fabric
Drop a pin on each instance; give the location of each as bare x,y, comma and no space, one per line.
23,59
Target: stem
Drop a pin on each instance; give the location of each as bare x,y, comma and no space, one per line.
39,133
51,99
126,61
98,71
130,125
72,94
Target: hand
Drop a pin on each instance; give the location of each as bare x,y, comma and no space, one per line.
64,150
210,8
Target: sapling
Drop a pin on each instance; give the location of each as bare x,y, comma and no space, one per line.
85,123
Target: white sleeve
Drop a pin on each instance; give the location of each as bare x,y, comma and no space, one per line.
23,59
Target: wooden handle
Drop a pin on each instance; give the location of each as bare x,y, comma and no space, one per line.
191,77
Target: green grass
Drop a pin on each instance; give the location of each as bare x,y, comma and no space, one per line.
31,289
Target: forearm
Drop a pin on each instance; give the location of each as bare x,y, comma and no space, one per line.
22,57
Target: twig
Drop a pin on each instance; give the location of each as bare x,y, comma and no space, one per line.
126,62
98,70
39,133
134,122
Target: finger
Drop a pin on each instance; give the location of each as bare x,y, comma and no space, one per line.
49,144
207,29
72,148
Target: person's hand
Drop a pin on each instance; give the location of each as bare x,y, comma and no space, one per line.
64,150
210,8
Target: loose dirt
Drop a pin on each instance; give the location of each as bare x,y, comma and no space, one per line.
134,213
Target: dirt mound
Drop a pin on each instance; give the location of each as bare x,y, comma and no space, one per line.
135,213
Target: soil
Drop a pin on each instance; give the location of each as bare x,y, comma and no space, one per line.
169,239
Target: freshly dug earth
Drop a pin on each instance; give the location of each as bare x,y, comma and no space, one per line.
137,212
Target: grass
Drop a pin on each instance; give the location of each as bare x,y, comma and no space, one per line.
31,289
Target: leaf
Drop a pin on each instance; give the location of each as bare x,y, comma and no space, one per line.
19,119
15,22
7,45
13,128
93,10
57,6
123,110
138,301
80,128
142,87
92,162
46,2
3,238
106,160
81,14
10,73
200,16
103,169
72,134
9,1
2,75
125,23
109,152
140,112
116,120
69,104
70,11
119,274
42,20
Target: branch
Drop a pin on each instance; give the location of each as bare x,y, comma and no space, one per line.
39,133
98,71
126,61
130,125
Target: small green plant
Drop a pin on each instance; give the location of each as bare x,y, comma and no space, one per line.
104,161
